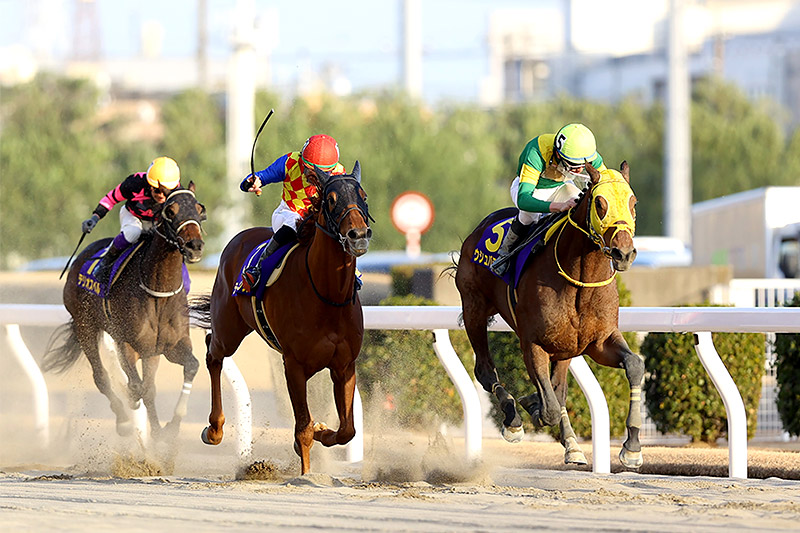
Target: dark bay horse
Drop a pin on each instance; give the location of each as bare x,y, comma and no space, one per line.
312,309
566,305
145,312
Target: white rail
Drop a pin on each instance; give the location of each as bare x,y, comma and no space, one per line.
648,319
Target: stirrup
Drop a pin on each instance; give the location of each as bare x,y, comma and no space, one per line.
250,280
500,265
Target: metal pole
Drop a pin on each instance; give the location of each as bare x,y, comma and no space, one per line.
677,151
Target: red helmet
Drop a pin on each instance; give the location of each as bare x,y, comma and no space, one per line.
320,150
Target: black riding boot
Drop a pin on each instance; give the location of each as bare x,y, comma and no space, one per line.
252,275
103,269
511,237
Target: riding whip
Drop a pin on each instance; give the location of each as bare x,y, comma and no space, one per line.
253,151
70,257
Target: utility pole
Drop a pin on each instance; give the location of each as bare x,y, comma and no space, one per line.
677,152
412,47
202,44
239,114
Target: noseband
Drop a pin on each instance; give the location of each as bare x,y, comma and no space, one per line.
595,233
169,232
333,219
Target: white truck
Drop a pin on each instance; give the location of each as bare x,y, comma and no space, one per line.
757,232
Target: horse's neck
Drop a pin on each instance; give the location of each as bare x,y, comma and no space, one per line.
161,264
579,256
332,269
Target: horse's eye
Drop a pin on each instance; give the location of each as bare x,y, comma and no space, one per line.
331,200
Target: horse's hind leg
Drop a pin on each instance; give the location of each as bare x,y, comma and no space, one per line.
89,338
296,380
344,387
616,354
572,451
475,322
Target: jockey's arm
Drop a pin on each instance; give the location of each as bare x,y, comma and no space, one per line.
275,173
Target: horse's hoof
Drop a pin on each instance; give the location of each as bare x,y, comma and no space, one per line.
575,457
513,434
135,405
204,437
630,459
125,429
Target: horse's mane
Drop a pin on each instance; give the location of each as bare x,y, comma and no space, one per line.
306,227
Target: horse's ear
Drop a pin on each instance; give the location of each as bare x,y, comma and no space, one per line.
191,186
593,172
322,176
357,171
625,170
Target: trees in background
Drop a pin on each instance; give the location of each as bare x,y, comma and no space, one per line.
59,154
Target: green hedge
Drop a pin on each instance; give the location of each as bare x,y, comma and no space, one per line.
679,394
398,371
505,350
787,370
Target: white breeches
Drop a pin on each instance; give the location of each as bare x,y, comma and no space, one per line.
562,193
283,216
131,226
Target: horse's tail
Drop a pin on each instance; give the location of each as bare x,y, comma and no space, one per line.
63,349
452,269
200,311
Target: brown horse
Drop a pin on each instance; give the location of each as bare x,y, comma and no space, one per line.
312,309
145,312
566,305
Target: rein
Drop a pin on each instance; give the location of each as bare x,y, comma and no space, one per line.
593,235
172,236
331,229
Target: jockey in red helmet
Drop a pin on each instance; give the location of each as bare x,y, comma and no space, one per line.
293,169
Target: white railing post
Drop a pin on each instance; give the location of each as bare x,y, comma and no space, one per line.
734,407
598,407
355,448
243,407
470,402
41,405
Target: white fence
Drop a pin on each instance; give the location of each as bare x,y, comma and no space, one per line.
702,321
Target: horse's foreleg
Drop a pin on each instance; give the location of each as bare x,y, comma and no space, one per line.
127,358
344,387
616,354
182,355
303,425
149,368
572,451
486,373
212,434
544,407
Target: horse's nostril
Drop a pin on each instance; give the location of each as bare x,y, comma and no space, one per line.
352,234
369,233
616,254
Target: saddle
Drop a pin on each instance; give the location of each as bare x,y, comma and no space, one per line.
88,281
485,253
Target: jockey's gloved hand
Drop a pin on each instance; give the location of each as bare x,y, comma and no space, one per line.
89,224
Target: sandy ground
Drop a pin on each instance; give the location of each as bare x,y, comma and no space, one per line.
405,483
89,479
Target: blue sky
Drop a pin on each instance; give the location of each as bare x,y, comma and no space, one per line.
360,37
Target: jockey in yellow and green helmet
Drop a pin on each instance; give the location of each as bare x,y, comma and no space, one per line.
548,169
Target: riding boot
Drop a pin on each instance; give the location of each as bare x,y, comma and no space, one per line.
103,269
517,229
252,275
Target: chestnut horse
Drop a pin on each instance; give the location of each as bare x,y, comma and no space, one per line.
312,309
145,312
566,305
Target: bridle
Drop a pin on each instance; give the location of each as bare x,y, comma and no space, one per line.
597,228
171,235
333,220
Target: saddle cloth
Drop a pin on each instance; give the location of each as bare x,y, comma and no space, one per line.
271,267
